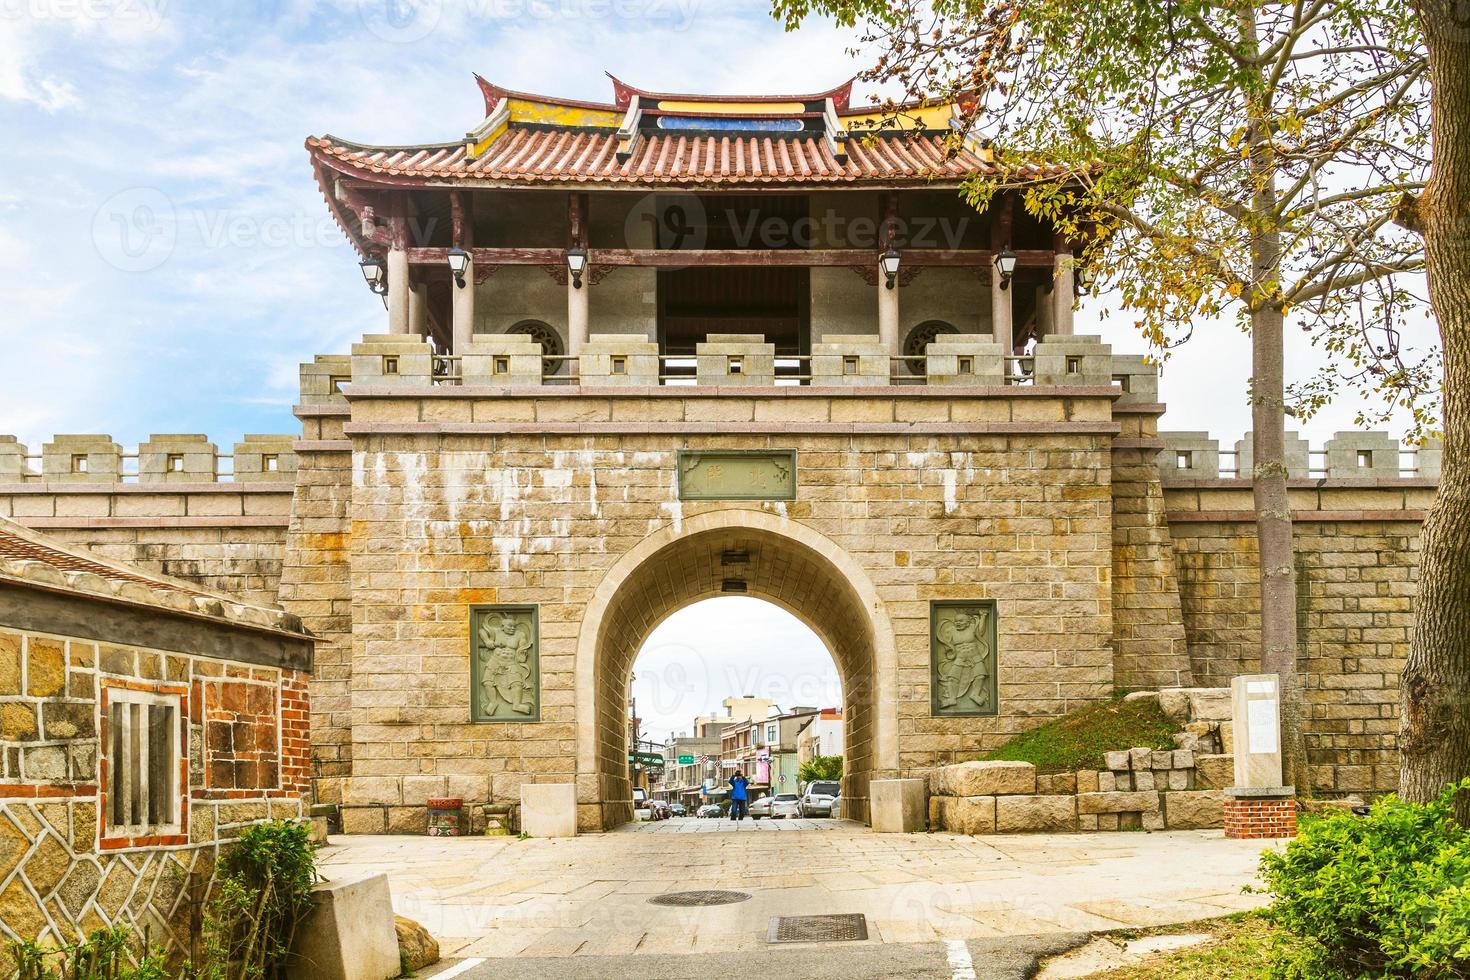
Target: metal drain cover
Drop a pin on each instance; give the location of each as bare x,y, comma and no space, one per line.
686,899
818,928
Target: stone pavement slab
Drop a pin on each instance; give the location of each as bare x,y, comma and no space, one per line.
587,897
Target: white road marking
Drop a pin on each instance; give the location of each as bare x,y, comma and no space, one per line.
464,966
959,959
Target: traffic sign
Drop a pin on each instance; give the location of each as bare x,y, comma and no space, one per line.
686,760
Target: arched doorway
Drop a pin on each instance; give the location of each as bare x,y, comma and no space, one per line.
773,558
733,683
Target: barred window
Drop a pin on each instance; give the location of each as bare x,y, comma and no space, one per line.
143,762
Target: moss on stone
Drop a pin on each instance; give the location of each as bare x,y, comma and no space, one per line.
1078,739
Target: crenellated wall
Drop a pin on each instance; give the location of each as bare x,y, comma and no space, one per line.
420,486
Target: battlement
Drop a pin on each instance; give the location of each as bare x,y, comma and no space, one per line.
1195,456
745,361
162,459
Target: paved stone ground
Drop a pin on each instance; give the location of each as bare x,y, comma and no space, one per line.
588,896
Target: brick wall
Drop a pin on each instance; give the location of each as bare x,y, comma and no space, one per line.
1258,819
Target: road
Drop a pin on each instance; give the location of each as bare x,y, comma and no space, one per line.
1006,958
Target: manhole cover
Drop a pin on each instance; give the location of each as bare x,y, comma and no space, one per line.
698,898
817,928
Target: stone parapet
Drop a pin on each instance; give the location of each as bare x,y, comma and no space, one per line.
618,359
964,359
738,360
856,359
1353,456
82,459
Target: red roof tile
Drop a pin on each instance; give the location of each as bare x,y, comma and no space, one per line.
561,156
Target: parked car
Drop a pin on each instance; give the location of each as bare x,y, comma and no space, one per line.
641,808
708,810
679,810
837,804
776,807
661,810
817,800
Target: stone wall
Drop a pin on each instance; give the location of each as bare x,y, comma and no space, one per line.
63,871
1355,583
980,495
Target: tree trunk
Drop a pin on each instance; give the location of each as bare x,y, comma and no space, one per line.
1274,543
1434,698
1273,535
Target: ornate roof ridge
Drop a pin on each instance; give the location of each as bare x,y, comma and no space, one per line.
623,94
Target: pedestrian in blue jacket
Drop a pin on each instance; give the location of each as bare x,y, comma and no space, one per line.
739,798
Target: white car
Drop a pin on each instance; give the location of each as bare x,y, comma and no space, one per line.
776,807
817,800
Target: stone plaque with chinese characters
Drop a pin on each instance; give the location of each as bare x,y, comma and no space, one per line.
734,475
962,661
505,664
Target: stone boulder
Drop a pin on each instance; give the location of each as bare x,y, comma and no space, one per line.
1200,810
1189,704
987,779
1035,814
1214,771
416,948
970,814
1135,802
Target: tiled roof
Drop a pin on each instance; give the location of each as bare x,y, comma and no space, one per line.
566,155
32,558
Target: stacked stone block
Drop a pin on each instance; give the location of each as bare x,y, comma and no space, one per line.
1010,797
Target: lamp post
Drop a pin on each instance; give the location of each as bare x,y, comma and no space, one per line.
890,260
372,273
1005,265
459,264
576,264
1083,279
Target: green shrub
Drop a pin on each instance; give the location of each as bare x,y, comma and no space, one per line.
825,767
1386,895
263,890
106,954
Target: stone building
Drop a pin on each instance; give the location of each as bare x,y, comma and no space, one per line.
670,347
143,722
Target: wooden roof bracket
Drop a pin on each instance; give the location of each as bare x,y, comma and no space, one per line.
628,131
835,135
479,139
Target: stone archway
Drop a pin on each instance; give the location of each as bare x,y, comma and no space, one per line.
779,560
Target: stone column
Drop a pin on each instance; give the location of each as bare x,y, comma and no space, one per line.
1045,324
418,310
887,314
1063,293
464,310
1001,314
398,291
578,313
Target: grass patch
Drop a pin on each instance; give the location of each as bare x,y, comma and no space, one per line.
1077,740
1242,948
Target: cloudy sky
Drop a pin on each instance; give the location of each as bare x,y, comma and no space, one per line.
166,260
